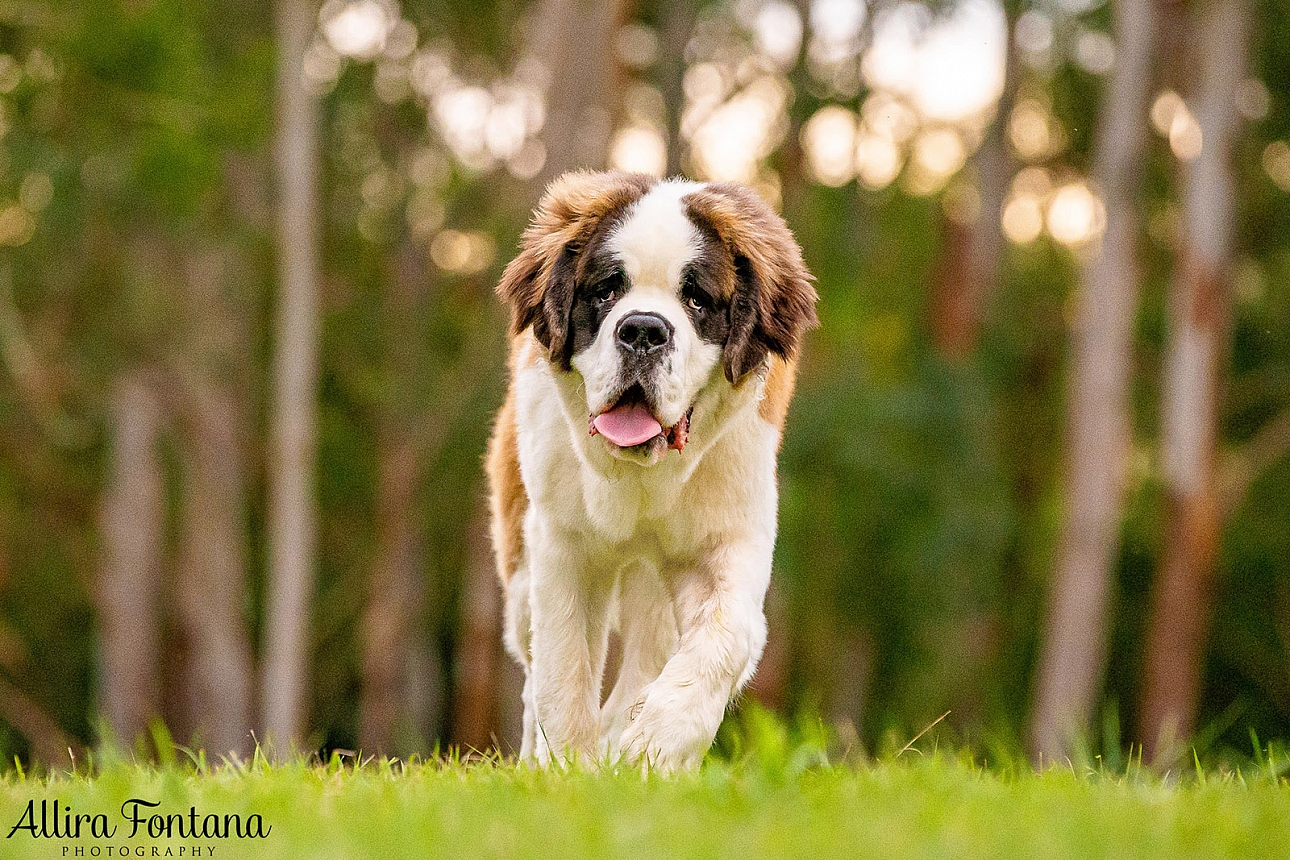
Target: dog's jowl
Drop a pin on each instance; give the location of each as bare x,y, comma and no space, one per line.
655,328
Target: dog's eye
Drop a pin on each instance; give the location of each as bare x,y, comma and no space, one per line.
695,299
608,289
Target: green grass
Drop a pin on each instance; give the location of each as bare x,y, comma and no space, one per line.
781,802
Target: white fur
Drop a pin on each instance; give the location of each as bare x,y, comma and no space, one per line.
676,552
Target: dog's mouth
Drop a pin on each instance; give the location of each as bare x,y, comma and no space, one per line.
630,422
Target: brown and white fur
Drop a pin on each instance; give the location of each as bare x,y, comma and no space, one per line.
669,541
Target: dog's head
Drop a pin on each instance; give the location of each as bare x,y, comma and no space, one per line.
645,287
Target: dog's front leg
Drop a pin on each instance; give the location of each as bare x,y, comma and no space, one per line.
647,630
569,606
723,630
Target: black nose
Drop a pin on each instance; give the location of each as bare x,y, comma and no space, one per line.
643,332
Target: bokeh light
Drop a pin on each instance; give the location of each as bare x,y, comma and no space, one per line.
16,225
731,141
951,69
1023,216
1167,104
937,154
1033,34
829,142
1185,137
462,252
890,116
878,160
1276,163
1030,129
1252,99
636,45
1095,52
777,28
1171,117
358,29
1075,215
36,191
640,150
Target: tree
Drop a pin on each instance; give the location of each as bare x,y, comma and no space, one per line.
129,581
968,275
480,658
1099,429
574,42
1195,364
292,516
395,590
211,581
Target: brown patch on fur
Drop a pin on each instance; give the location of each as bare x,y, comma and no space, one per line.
773,303
538,284
507,498
781,379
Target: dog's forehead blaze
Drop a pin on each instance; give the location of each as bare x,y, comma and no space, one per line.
656,239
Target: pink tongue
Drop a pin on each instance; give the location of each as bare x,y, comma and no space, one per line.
626,426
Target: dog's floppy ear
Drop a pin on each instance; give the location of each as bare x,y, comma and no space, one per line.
539,292
539,284
773,303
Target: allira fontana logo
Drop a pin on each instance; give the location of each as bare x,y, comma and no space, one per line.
139,819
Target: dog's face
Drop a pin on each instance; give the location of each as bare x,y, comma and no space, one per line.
644,288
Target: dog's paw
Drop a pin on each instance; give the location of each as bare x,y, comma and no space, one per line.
665,737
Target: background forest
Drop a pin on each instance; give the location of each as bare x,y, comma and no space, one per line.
1035,474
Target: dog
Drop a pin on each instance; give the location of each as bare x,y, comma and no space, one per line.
655,327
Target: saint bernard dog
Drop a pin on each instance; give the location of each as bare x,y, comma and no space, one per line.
654,329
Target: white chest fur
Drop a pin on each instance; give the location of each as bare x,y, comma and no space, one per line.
722,486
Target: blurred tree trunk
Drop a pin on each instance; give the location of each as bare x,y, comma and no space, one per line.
843,653
968,274
574,42
849,695
677,24
212,571
211,585
1196,355
133,536
510,707
1099,423
48,742
292,514
395,597
402,684
475,709
789,161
